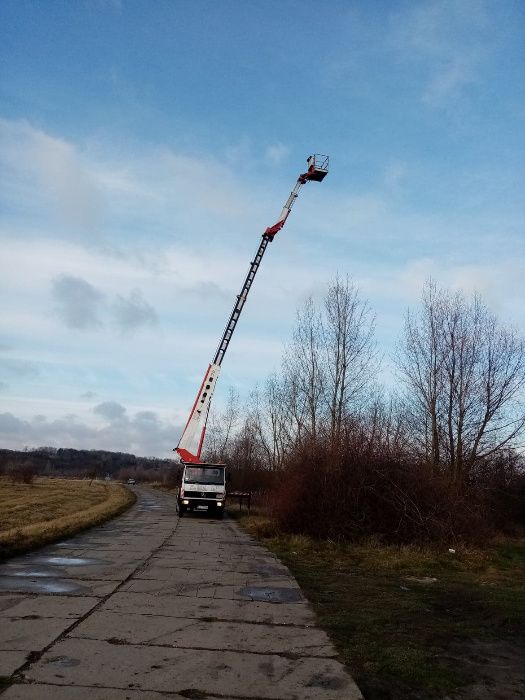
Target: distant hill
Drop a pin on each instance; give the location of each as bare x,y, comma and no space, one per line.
63,461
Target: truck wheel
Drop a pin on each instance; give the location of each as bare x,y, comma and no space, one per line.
182,510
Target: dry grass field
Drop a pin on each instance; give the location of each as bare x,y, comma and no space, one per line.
33,514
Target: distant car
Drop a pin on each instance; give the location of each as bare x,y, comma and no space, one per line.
131,482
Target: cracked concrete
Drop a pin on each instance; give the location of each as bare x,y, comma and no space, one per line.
149,606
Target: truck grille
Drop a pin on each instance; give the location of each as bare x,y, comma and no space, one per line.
199,494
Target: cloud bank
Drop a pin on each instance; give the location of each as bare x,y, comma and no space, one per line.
142,433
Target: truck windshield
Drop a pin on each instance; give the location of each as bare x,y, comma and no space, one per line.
204,475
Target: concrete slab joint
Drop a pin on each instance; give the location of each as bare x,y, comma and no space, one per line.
149,606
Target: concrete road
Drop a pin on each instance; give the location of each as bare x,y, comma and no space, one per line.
151,606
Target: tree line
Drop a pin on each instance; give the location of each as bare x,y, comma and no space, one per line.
439,456
52,461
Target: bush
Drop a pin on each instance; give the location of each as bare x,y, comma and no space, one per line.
171,477
21,473
352,494
502,480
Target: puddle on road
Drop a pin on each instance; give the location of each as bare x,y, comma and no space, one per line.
88,543
39,585
265,594
69,561
30,573
34,574
66,661
30,569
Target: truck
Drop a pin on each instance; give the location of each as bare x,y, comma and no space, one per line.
203,485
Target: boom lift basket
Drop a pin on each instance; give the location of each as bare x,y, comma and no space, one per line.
317,167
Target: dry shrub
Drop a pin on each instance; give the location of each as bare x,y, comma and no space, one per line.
245,476
171,477
260,527
351,494
502,480
21,473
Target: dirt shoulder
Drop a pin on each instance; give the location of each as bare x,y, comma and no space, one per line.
411,623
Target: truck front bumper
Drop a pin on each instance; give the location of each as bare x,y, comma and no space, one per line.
194,502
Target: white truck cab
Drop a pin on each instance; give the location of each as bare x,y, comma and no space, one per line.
203,485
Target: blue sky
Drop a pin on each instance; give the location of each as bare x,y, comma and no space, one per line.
145,146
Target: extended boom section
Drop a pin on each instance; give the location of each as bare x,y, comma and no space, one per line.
190,444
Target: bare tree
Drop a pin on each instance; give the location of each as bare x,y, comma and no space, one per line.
464,373
325,377
349,351
303,372
420,362
326,370
245,450
274,413
385,428
221,427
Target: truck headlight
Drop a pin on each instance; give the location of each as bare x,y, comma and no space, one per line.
219,503
185,503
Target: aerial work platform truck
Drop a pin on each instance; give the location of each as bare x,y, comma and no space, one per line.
198,479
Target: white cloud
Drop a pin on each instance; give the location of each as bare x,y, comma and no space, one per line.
189,226
81,306
112,410
448,40
455,74
17,368
132,312
78,302
410,278
401,286
239,153
277,153
103,199
42,169
394,173
143,433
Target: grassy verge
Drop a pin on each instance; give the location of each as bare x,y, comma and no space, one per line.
414,623
32,515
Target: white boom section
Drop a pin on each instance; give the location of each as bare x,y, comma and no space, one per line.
191,441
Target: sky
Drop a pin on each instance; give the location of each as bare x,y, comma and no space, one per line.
145,146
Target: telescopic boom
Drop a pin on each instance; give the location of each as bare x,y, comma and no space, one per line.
190,444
